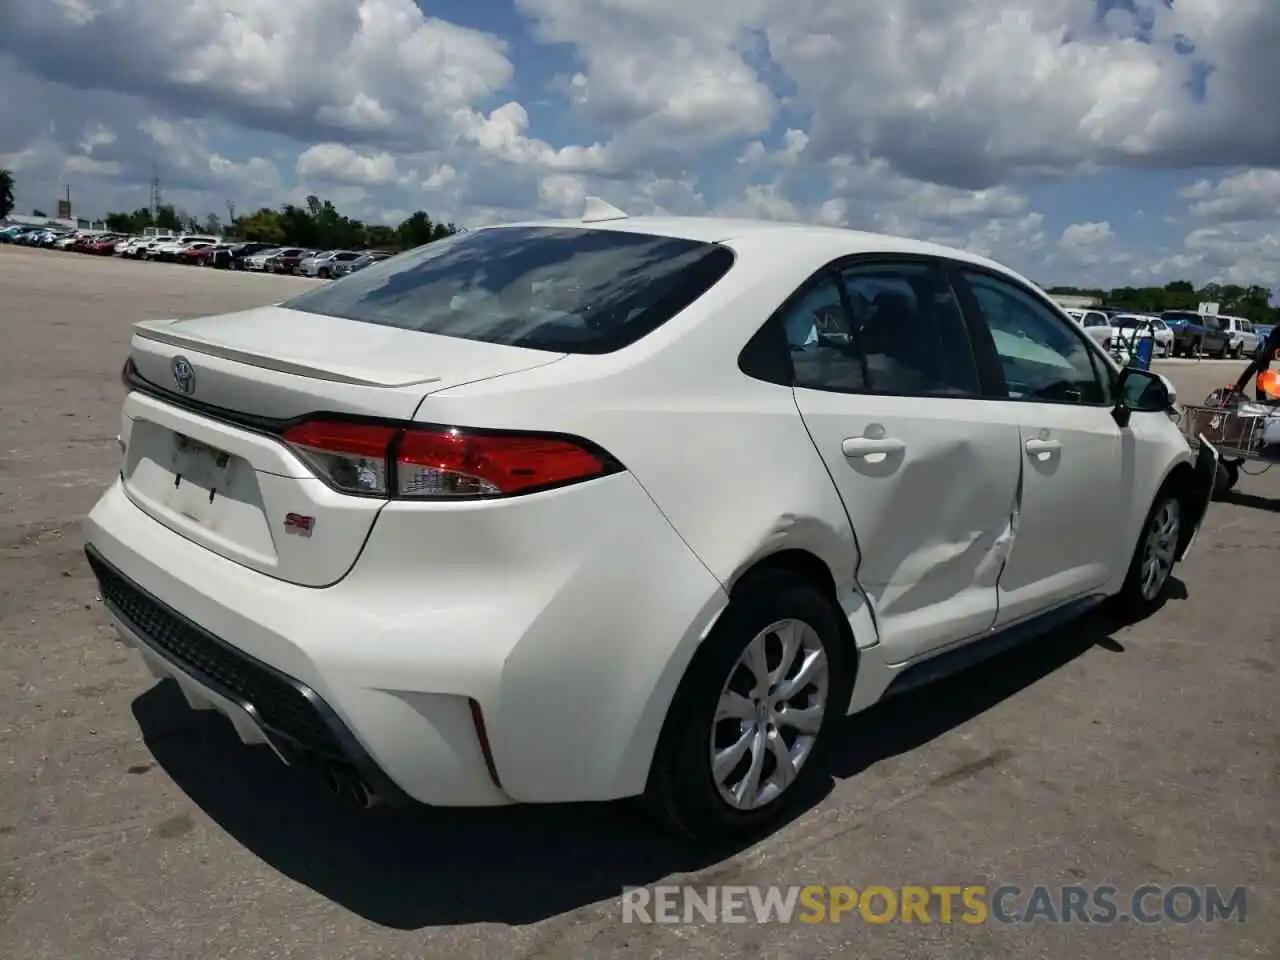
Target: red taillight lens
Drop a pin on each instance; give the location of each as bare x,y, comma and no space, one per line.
453,463
351,456
429,463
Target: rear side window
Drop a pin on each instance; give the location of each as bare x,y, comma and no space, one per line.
898,330
910,328
567,290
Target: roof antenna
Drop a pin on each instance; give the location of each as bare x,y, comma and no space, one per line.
598,210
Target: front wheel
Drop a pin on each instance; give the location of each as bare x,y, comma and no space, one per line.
749,725
1153,558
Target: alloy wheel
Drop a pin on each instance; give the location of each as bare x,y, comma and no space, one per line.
1159,549
769,715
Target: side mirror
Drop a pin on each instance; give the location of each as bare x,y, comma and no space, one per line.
1142,391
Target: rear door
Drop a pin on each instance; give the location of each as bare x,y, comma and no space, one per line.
888,387
1073,497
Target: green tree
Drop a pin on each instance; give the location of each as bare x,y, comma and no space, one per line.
6,193
167,218
381,237
134,222
418,229
261,226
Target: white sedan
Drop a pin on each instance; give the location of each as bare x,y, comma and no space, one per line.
641,508
1136,327
1096,324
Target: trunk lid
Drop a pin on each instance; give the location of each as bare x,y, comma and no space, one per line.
204,461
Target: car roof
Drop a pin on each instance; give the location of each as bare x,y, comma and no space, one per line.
817,240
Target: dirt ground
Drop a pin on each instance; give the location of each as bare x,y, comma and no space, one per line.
132,827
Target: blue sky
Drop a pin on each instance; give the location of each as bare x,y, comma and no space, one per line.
1107,142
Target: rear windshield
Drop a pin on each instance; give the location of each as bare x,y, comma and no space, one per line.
568,290
1177,316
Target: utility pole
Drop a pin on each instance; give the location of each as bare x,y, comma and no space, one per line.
155,192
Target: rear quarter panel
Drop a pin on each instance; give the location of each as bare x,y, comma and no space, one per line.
726,458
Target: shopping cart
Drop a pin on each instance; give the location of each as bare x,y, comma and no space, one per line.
1236,427
1134,346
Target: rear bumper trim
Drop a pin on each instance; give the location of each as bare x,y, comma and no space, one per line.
337,742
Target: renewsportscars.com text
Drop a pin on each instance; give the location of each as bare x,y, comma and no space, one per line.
973,904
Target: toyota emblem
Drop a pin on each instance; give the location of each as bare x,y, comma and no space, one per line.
184,375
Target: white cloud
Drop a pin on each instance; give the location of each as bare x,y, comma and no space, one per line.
562,194
1091,234
1250,195
335,163
367,68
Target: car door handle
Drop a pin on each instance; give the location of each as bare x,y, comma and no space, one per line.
860,448
1037,447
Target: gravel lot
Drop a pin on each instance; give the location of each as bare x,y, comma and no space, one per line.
132,827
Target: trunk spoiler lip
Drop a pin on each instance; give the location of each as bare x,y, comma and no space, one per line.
159,334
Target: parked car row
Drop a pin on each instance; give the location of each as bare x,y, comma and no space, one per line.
1220,336
323,264
1111,329
1177,332
199,250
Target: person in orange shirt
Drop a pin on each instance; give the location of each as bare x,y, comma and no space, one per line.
1266,387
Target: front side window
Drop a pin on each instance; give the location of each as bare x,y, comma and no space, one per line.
568,290
1042,357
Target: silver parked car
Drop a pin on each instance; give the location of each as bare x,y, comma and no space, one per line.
323,265
359,263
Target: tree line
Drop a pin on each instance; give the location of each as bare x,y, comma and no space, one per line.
1252,303
317,225
6,193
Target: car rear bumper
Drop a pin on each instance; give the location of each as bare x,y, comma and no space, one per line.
532,667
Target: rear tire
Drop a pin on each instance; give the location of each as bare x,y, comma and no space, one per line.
1151,568
685,791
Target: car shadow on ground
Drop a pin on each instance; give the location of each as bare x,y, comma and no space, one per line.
423,867
1251,500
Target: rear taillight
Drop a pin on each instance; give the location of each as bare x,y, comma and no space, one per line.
351,456
434,463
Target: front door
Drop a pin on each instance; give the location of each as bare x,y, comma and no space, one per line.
1072,502
888,389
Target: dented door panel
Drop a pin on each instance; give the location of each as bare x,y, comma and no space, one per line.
931,492
1074,499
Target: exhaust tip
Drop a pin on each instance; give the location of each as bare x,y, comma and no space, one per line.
332,778
365,798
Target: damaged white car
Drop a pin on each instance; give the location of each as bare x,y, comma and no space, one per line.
614,507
